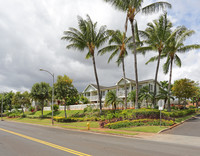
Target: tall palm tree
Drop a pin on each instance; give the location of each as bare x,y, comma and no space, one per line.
87,37
117,45
112,99
175,46
155,36
132,8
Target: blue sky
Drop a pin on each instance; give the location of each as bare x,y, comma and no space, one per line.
30,40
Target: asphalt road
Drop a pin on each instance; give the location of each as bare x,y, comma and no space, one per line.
189,128
18,139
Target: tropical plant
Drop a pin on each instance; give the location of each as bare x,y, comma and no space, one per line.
65,91
41,92
131,97
174,46
163,92
87,37
145,95
155,36
117,47
112,99
84,100
132,8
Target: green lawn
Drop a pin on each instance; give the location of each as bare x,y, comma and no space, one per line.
150,129
114,132
93,124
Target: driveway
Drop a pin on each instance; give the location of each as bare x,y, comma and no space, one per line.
189,128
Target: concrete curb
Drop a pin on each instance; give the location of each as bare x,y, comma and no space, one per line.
175,125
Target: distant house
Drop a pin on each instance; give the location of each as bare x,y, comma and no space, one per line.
91,91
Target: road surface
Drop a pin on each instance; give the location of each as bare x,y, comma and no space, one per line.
18,139
189,128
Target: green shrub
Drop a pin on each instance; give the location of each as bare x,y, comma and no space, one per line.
31,109
140,122
55,107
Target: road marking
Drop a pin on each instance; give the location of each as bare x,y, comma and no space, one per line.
47,143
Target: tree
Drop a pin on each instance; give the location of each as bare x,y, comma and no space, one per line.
155,36
22,100
84,100
132,8
175,46
87,37
112,99
145,95
163,92
117,45
65,91
41,92
184,89
132,96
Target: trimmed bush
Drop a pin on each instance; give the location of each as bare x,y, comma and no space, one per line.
140,122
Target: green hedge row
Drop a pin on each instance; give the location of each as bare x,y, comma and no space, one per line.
70,119
140,122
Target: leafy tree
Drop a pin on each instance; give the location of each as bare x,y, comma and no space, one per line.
8,100
21,99
112,99
65,91
175,46
87,37
132,96
132,8
145,95
184,89
117,45
41,92
155,36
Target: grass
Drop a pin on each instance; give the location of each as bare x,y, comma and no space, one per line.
178,120
149,129
93,124
113,132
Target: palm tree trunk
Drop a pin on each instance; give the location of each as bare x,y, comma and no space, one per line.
97,81
156,78
135,64
169,86
65,109
42,108
125,86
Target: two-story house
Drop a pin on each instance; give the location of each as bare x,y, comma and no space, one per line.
91,91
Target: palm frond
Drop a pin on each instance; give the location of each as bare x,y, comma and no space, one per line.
177,60
155,7
152,59
188,48
166,66
108,49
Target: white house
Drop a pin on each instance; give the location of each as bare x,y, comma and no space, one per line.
91,90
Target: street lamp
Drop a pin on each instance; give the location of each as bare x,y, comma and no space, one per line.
2,108
52,74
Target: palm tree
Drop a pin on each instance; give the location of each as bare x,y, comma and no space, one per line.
87,37
163,92
132,96
112,99
132,8
145,94
175,46
155,36
117,45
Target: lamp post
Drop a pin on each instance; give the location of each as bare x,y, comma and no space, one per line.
52,74
2,108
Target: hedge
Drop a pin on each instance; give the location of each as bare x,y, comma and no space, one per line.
140,122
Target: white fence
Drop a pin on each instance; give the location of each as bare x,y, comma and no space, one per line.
82,106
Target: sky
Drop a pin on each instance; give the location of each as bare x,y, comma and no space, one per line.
30,39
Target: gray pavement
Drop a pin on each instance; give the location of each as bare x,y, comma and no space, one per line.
189,128
89,143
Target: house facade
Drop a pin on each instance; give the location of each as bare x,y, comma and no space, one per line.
91,91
